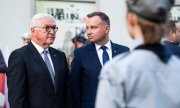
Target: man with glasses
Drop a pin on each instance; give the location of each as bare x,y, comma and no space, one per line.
37,74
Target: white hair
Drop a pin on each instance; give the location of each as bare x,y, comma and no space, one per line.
35,19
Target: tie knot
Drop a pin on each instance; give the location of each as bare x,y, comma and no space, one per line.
103,48
45,52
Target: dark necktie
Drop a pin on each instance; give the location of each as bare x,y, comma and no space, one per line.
48,64
105,56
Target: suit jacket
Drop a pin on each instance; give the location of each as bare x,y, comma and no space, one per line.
29,81
84,73
173,47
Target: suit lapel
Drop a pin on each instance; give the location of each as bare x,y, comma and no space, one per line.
94,56
114,49
37,57
54,61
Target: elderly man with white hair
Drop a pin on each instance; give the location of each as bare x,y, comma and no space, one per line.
37,75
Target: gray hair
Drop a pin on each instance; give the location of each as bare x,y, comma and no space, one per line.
35,19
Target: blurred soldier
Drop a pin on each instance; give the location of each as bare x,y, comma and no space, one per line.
148,76
79,41
26,38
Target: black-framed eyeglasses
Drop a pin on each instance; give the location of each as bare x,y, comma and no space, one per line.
49,28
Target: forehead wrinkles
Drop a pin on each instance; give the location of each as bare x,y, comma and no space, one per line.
94,23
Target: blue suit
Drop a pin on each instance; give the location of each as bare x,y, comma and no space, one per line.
173,47
85,70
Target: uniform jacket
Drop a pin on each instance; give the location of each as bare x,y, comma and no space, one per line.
147,80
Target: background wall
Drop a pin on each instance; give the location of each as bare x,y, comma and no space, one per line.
70,19
16,15
116,10
14,21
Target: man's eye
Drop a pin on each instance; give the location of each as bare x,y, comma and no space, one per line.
48,27
93,27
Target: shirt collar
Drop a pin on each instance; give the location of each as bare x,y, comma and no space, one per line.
108,45
39,48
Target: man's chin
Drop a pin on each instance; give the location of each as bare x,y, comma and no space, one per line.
91,40
50,42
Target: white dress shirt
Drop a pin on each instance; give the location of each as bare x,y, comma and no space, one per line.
100,51
40,50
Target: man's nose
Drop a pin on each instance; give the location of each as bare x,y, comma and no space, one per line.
88,31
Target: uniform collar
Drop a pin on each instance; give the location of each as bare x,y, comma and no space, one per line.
161,51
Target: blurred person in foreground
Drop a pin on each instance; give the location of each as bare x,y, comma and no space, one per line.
37,74
172,37
89,60
150,76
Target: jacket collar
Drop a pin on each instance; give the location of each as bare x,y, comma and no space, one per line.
161,51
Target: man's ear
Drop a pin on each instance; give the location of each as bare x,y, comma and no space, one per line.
172,35
130,22
132,19
107,28
33,31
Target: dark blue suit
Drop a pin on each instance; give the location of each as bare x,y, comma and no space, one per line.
85,70
173,47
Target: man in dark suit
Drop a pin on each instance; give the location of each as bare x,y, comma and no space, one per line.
88,60
172,37
37,74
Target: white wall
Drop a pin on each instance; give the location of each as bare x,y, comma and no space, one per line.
116,10
16,15
14,21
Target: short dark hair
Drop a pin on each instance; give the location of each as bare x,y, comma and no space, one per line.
171,26
102,15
